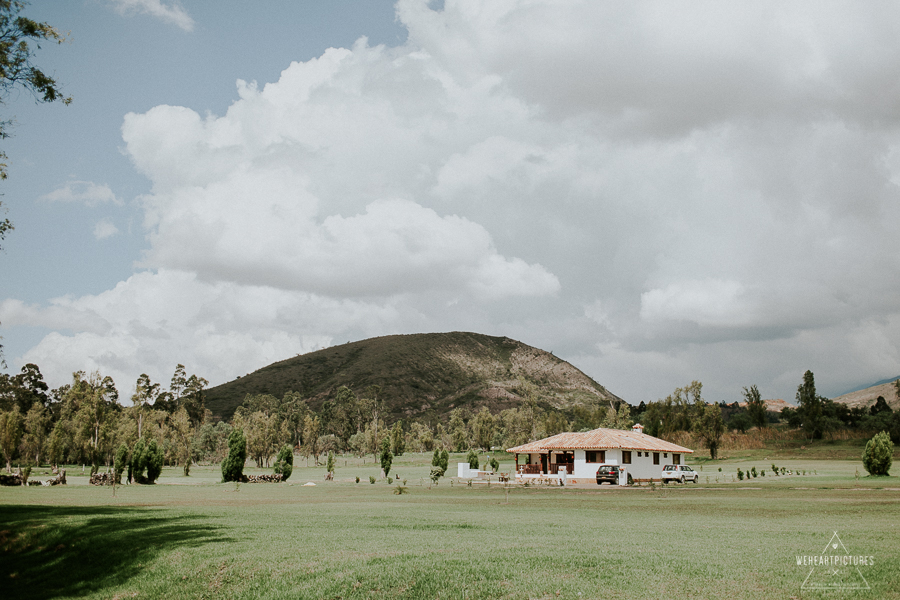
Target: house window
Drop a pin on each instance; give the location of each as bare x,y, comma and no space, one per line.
626,457
656,458
676,459
665,455
596,456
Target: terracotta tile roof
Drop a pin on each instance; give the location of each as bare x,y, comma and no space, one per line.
600,439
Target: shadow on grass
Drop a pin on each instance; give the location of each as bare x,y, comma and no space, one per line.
51,551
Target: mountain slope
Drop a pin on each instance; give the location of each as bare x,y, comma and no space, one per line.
422,376
866,397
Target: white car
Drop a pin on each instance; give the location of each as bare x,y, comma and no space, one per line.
682,473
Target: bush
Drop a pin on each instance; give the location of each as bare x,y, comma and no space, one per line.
147,457
762,473
154,461
472,457
371,479
357,479
121,461
436,474
390,481
740,475
445,461
495,464
284,462
386,456
753,471
233,465
329,464
878,455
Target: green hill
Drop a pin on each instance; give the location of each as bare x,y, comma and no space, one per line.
423,376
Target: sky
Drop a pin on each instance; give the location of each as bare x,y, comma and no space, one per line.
656,192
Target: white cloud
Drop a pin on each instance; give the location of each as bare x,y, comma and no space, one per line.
105,228
86,192
662,192
171,12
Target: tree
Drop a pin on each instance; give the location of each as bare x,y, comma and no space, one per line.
710,427
121,462
436,463
20,37
37,424
145,455
880,406
878,455
233,465
329,465
398,441
311,429
472,459
756,407
10,433
483,428
810,406
458,433
182,438
284,462
386,457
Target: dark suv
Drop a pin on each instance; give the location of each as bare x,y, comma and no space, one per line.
608,473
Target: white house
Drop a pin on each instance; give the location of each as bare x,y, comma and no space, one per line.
581,454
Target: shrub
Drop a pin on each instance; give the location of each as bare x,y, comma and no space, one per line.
445,461
233,465
399,490
762,473
436,473
753,471
154,461
386,456
495,464
147,457
775,469
121,461
284,462
357,479
740,475
878,456
371,479
390,481
329,464
472,458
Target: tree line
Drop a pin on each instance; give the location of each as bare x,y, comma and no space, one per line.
84,422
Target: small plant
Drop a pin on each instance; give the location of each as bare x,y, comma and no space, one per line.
762,473
284,462
357,479
404,482
878,455
390,481
436,473
400,490
775,469
720,469
472,458
783,470
740,475
752,472
371,479
329,465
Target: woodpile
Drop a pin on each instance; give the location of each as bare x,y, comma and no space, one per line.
102,479
19,479
14,479
274,478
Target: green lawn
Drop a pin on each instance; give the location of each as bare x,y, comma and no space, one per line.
197,538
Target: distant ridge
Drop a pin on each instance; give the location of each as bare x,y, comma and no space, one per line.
423,376
866,397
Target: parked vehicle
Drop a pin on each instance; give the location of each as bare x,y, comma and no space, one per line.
682,473
608,473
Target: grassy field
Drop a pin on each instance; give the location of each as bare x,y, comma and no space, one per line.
197,538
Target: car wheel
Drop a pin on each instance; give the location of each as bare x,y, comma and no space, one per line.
696,480
682,479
